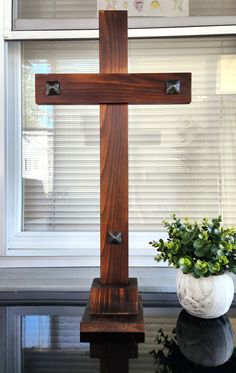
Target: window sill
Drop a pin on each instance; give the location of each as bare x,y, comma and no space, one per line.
133,33
31,249
134,23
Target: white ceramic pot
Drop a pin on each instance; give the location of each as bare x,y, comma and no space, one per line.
205,297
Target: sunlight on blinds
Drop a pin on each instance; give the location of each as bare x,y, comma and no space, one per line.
182,158
88,8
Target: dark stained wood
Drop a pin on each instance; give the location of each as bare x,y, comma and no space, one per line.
113,58
113,42
115,88
114,299
101,350
114,356
114,192
138,337
94,325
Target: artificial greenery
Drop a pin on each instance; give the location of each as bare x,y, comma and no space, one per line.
202,249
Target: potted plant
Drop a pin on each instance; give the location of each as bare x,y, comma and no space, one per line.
205,253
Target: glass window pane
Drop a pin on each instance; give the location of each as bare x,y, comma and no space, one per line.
88,8
57,9
181,157
60,144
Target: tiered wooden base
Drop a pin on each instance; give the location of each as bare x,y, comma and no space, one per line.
113,309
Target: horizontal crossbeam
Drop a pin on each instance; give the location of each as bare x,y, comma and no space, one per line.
117,88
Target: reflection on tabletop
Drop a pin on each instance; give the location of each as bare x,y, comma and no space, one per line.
47,339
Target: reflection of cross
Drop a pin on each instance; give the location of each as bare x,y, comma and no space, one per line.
113,89
114,353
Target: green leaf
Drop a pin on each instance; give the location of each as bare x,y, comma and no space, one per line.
234,269
220,252
186,239
186,260
199,253
207,247
198,273
223,260
214,267
184,269
174,249
191,235
214,248
184,250
198,244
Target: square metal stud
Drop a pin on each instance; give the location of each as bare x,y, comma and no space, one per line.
53,88
172,87
115,238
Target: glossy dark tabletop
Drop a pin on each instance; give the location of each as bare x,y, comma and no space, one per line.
46,339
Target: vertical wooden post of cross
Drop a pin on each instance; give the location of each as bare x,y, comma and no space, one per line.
113,57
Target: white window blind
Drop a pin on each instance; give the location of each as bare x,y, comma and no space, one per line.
182,158
60,145
212,7
88,8
58,9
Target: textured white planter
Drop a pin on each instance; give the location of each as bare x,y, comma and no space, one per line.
205,297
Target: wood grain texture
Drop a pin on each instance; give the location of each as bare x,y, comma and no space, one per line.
93,325
88,89
113,42
113,57
114,299
114,192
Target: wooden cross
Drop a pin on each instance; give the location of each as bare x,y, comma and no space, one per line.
113,89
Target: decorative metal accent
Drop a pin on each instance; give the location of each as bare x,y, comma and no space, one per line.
115,238
53,88
172,87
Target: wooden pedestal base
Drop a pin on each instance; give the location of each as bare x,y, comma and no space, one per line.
114,299
92,327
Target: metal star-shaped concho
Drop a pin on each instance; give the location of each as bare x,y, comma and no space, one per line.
53,88
115,238
172,87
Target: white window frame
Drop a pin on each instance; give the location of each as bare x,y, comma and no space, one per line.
51,249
